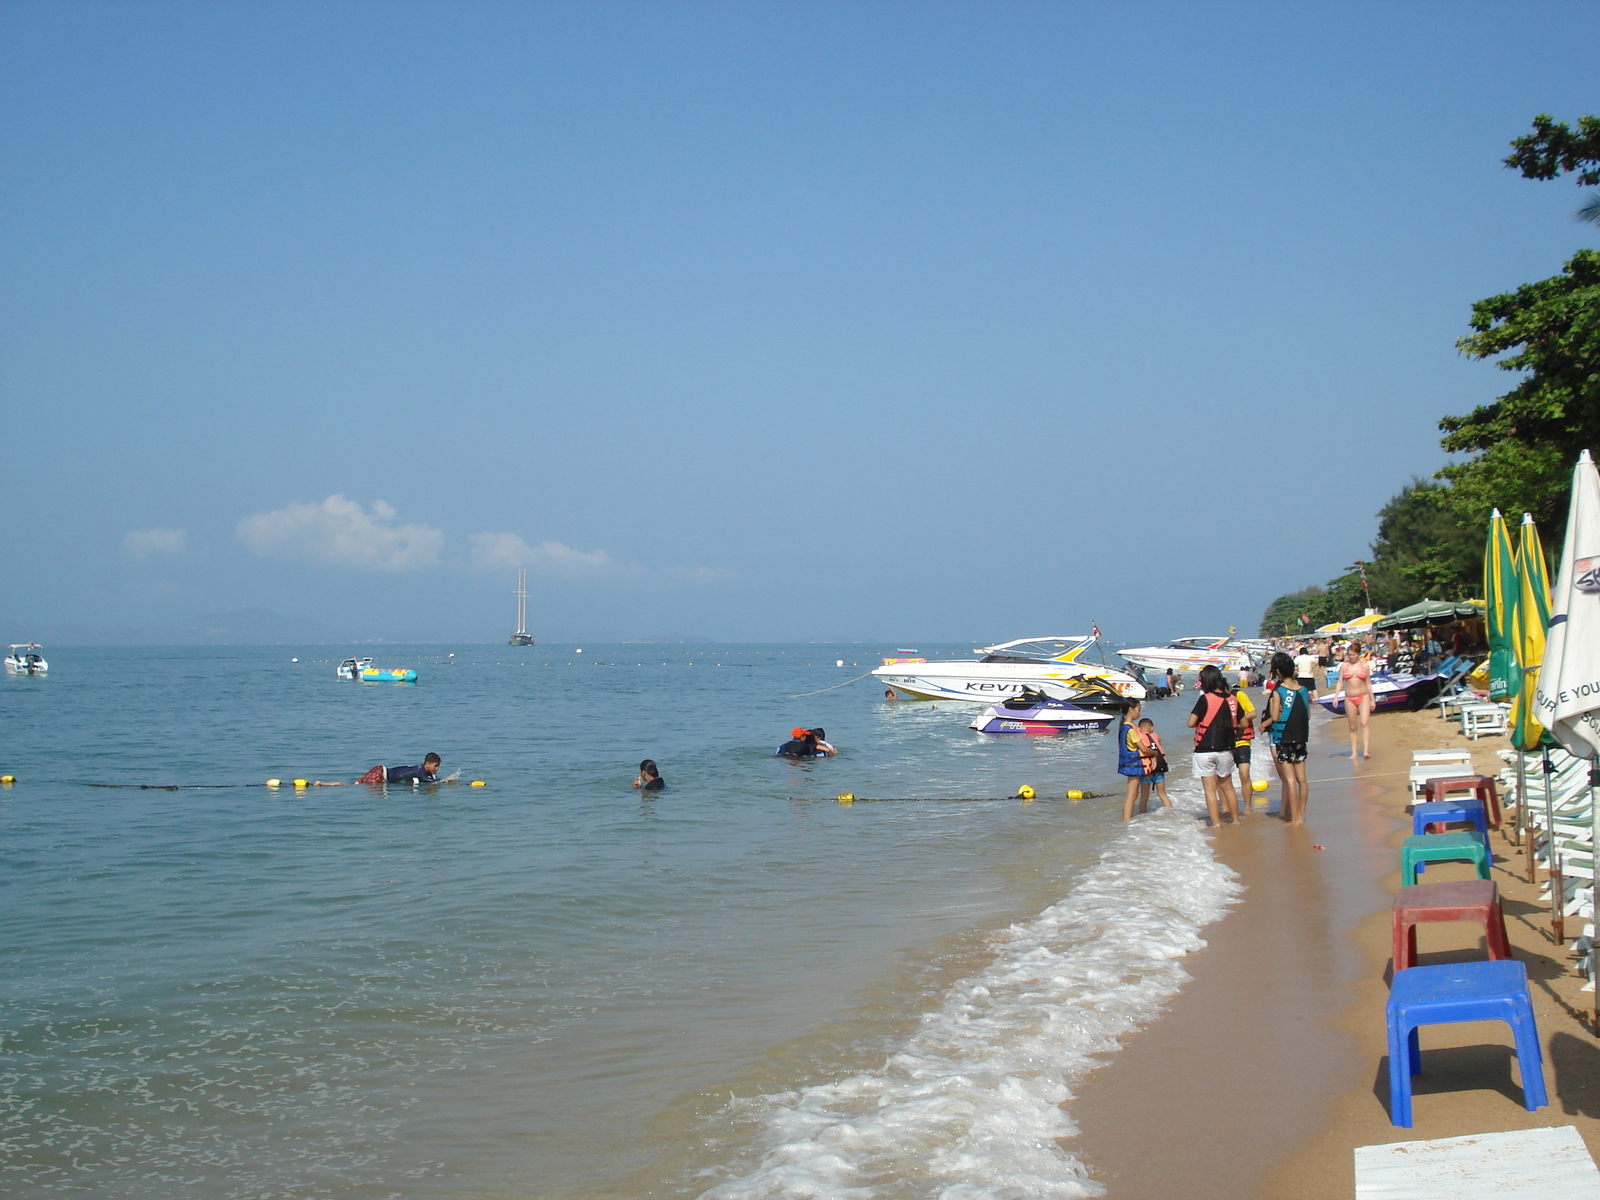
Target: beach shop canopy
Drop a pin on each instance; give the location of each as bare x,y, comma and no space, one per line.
1431,612
1361,624
1330,627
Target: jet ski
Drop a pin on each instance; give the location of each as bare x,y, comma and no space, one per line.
1035,712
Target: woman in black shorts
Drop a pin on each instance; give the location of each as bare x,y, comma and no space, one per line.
1288,721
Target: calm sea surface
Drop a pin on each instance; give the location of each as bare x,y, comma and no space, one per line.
546,987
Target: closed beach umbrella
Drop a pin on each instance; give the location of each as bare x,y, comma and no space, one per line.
1500,589
1528,624
1567,696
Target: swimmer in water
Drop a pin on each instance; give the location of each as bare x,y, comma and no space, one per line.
426,772
824,750
649,779
802,743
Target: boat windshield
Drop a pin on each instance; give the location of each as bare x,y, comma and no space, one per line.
1198,643
1032,650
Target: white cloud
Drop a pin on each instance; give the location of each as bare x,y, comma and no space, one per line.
143,543
494,551
341,532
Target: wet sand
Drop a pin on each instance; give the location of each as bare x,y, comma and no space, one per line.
1271,1067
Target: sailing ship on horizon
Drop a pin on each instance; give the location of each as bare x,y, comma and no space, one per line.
521,637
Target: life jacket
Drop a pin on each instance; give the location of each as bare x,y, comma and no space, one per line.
1294,716
1129,761
1215,705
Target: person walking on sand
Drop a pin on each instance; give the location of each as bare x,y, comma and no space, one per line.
1212,722
1130,762
1355,679
1287,720
1306,667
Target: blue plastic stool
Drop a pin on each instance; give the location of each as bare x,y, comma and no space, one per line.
1422,848
1468,991
1444,812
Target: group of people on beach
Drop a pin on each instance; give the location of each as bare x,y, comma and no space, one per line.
1226,723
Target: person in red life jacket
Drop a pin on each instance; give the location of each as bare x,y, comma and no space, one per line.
1213,723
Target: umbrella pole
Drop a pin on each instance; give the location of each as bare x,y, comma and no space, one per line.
1558,900
1594,907
1522,802
1549,811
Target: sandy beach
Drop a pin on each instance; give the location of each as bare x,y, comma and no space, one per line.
1271,1067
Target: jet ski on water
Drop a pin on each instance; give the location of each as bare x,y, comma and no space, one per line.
1035,712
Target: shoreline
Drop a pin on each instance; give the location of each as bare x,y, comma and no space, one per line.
1269,1068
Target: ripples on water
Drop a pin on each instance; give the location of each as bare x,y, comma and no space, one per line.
550,986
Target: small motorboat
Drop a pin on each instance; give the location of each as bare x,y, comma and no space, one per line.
363,670
1035,712
351,668
26,658
1391,692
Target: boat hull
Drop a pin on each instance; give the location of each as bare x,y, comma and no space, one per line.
1391,692
985,683
1038,721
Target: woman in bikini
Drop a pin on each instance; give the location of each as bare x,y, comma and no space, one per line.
1355,679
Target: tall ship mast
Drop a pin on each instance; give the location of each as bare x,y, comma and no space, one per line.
521,637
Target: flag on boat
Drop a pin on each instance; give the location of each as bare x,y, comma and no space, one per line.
1094,627
1567,700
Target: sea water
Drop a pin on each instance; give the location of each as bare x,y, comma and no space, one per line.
552,985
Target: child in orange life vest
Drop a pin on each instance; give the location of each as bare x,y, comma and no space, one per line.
1154,758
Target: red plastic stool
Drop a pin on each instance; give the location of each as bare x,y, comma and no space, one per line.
1465,900
1481,786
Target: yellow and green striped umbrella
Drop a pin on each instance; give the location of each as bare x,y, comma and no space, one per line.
1529,622
1500,590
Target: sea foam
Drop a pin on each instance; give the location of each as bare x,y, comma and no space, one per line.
970,1106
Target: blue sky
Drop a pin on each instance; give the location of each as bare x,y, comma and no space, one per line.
753,321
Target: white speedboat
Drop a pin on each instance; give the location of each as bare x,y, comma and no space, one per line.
1190,654
26,658
1048,664
351,668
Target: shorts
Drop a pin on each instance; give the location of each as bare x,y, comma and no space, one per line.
1241,755
1218,763
1162,778
1307,682
1290,752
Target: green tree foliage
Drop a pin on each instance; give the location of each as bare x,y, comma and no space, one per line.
1424,549
1526,441
1553,149
1524,444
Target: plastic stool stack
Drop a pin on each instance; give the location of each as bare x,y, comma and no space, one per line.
1495,990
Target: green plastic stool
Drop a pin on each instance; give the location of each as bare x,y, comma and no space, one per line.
1441,847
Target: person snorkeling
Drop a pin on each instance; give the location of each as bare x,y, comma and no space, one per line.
649,779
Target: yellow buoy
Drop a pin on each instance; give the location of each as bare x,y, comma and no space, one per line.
8,780
1074,795
847,797
274,782
477,783
1025,792
300,783
1259,785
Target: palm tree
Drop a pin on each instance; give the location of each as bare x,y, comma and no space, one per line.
1590,211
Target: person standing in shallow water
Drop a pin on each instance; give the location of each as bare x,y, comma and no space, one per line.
1287,720
649,779
1212,722
1130,761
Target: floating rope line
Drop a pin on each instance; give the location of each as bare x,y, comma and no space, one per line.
819,691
